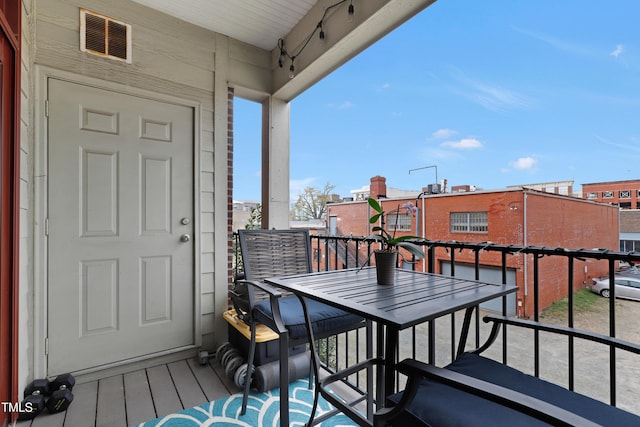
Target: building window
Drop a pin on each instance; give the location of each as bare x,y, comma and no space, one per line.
592,195
629,245
624,194
625,205
607,194
469,222
399,222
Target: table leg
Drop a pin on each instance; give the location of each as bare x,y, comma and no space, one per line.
380,389
390,351
284,379
369,350
464,333
315,364
431,356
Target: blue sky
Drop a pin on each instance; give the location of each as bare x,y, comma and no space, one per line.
493,93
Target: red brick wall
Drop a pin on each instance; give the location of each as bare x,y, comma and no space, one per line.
230,96
569,223
551,221
615,187
353,217
504,219
504,216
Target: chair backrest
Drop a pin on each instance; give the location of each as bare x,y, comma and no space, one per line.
271,253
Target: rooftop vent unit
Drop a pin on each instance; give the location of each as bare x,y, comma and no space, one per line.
433,189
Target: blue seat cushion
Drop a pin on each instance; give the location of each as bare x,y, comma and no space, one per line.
440,405
325,319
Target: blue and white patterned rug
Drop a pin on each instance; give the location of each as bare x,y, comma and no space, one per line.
263,410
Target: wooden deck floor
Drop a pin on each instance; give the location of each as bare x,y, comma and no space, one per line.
129,399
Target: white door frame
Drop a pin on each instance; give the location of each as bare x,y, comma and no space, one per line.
40,209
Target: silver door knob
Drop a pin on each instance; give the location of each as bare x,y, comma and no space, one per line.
185,221
185,238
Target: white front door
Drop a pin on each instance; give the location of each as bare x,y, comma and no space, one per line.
120,227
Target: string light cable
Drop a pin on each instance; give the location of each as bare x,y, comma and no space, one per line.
319,27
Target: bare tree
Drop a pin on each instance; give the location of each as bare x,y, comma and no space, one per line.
255,219
312,203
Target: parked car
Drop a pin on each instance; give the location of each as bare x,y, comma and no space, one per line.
627,287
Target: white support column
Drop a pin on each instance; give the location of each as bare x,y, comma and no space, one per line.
275,164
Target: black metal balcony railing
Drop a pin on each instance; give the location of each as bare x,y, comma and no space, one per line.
332,252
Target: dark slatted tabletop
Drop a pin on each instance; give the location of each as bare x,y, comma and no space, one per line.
415,297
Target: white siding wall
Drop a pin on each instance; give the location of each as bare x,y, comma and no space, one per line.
25,292
170,57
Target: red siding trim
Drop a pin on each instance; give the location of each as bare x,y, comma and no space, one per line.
9,201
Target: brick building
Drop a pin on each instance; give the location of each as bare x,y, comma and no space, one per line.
625,194
517,216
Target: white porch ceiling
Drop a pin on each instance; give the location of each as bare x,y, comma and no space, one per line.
261,23
257,22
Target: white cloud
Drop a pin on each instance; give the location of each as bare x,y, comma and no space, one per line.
497,98
557,43
463,144
524,163
444,133
569,46
617,51
384,86
490,96
344,106
626,147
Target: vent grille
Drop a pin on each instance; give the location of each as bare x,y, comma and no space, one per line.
103,36
95,35
117,39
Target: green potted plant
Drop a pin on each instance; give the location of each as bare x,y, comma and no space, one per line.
387,256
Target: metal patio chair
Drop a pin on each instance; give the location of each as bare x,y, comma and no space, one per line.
277,253
478,391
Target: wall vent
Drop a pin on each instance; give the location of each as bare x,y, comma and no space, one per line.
103,36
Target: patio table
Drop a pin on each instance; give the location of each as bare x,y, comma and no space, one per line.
414,298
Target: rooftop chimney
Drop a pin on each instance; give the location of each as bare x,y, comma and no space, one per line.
378,187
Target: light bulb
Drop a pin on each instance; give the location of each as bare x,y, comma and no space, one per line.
292,70
350,11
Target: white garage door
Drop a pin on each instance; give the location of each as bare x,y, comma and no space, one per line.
487,274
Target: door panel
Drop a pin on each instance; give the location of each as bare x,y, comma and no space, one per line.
99,193
121,280
98,296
